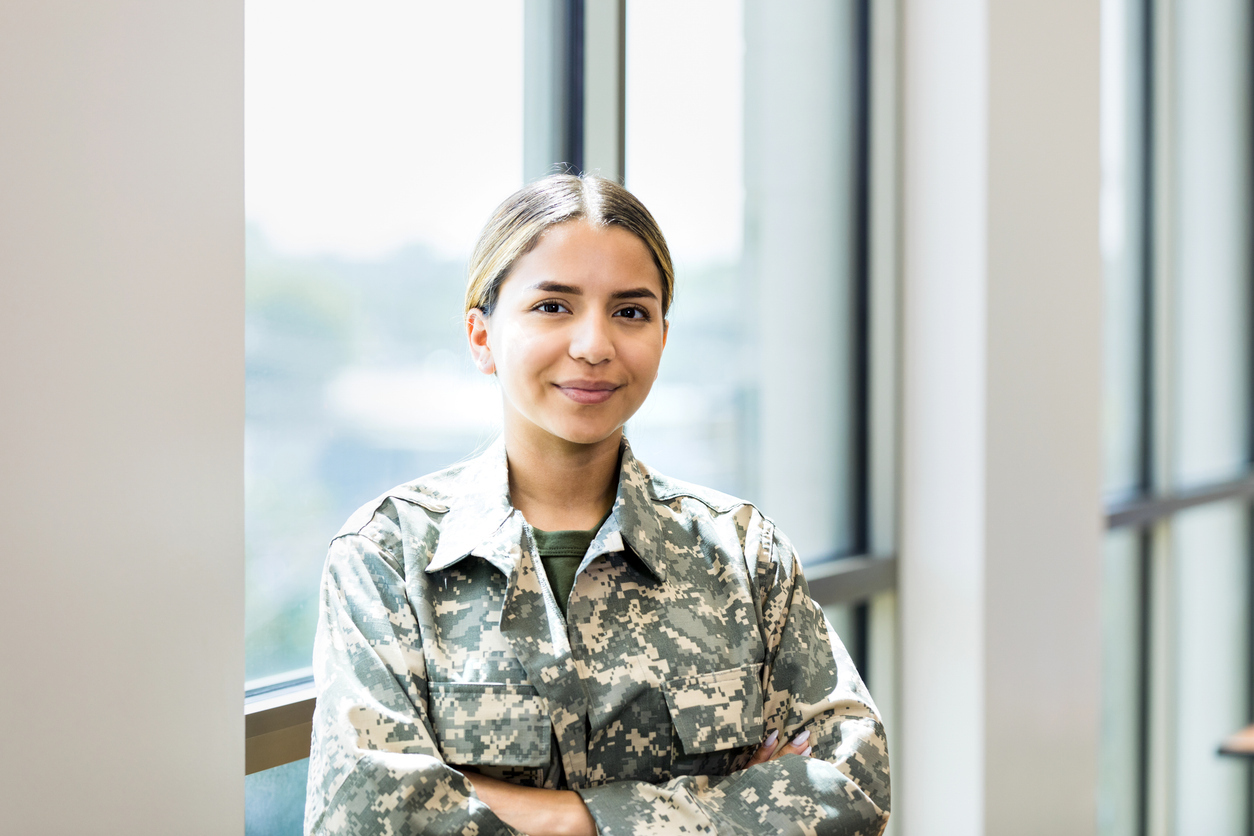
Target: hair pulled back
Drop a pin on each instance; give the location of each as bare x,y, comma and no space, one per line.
517,224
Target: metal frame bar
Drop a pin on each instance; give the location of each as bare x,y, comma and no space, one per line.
862,426
883,273
1149,510
1160,700
863,354
881,670
1148,428
1145,613
1158,343
850,580
554,82
573,77
1148,425
277,726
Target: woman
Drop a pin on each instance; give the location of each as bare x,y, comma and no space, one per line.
552,638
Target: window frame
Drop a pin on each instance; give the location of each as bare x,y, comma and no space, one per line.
1155,504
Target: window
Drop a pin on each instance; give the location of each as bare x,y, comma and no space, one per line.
742,136
745,130
1177,585
377,137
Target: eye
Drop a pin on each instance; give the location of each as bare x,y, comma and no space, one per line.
632,312
551,307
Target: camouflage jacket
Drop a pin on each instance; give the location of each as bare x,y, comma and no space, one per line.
691,633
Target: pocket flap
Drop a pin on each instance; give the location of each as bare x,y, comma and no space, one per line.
490,723
718,710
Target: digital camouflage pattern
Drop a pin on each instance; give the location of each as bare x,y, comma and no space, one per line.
691,634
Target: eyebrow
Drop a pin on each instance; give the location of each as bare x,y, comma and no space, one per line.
557,287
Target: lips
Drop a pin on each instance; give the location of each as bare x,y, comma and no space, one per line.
588,391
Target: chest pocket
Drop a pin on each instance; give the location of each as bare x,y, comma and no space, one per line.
490,723
718,710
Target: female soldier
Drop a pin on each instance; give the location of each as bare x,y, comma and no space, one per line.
553,638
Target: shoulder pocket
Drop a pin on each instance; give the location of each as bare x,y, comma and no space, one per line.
718,710
490,723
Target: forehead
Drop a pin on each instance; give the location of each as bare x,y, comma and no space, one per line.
587,255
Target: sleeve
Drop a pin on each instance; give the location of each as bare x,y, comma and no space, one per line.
374,765
808,682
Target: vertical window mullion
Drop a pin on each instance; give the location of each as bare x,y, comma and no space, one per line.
860,456
573,73
1147,425
553,87
575,85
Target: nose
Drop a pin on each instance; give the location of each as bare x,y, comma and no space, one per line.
591,340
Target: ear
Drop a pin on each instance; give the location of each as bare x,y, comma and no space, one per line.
477,336
666,329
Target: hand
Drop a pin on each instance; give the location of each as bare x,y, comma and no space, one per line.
535,811
771,749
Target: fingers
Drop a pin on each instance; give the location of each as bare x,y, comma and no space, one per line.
799,745
771,749
764,752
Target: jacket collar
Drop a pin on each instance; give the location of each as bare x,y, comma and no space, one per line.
481,521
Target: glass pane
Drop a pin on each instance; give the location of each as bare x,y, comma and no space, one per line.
740,129
376,146
1211,138
683,160
1213,656
848,626
274,800
1122,236
1119,756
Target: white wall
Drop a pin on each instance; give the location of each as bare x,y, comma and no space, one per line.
121,432
1001,507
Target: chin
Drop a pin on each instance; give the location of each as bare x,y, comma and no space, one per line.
586,435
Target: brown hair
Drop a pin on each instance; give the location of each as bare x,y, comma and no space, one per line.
518,223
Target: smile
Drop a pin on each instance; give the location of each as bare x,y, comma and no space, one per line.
587,391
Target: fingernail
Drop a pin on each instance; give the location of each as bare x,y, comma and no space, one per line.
771,738
807,752
801,738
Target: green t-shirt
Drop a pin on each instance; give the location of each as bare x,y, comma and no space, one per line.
561,552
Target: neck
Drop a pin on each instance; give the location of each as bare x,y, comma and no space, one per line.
562,486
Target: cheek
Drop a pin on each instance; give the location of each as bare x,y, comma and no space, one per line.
520,354
646,357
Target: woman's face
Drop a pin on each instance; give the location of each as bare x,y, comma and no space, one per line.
576,335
